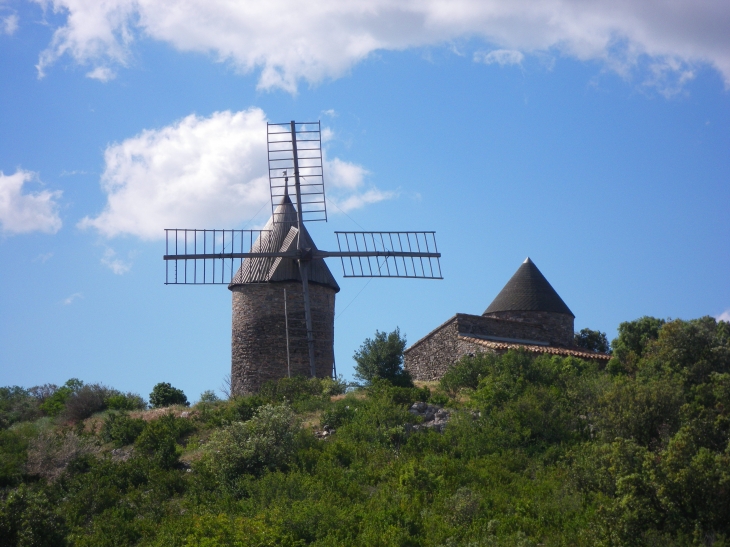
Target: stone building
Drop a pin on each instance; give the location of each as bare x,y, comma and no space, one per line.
527,313
259,337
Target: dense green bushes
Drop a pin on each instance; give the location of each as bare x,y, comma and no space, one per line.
163,394
538,451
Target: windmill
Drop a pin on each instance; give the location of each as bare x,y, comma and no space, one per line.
256,264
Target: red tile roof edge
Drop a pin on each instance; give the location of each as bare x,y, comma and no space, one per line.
536,349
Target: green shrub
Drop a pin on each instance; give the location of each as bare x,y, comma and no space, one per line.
592,340
16,405
264,442
55,403
467,372
85,401
163,394
121,429
397,395
209,396
381,357
122,401
438,399
158,440
13,447
28,519
243,408
340,413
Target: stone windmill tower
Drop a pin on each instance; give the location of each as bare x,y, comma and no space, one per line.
268,305
283,292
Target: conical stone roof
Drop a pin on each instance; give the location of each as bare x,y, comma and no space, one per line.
282,236
528,290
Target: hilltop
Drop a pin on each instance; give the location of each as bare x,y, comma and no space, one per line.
544,450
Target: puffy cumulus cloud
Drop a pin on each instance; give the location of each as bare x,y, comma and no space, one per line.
342,174
346,186
500,56
290,40
724,316
201,172
27,212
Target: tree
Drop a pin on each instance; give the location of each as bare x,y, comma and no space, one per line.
634,337
592,340
382,357
163,394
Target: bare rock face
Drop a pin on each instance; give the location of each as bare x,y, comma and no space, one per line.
324,433
434,417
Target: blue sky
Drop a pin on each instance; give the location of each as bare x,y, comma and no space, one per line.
592,137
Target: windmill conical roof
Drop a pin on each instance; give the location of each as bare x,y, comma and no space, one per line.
528,290
282,236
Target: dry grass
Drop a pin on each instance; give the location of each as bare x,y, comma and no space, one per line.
51,452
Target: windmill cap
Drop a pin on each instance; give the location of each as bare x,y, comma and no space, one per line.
528,290
280,235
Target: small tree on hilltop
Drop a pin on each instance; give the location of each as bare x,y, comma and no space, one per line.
382,357
163,394
592,340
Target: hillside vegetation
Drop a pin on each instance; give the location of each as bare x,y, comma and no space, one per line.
537,451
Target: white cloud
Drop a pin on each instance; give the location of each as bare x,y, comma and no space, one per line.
101,73
27,212
359,200
8,24
500,56
201,172
342,174
114,263
70,299
290,40
724,316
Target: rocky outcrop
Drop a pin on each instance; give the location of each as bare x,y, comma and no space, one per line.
434,417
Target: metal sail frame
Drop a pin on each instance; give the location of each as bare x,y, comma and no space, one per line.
368,254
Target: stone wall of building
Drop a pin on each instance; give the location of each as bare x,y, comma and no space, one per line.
429,358
258,342
559,327
504,328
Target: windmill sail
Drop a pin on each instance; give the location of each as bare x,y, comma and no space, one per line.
295,152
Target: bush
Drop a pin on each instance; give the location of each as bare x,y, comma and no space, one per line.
121,429
12,457
128,401
158,439
382,358
592,340
209,396
265,441
16,405
51,452
27,518
340,413
54,399
163,394
88,400
467,372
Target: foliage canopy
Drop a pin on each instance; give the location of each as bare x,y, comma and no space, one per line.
382,357
537,451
